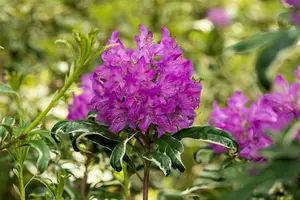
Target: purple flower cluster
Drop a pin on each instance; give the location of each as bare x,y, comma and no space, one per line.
245,123
81,103
219,17
149,85
285,102
248,124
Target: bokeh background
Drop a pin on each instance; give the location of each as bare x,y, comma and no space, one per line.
29,29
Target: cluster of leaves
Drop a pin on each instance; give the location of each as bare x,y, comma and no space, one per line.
165,152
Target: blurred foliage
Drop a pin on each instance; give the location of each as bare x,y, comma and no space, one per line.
36,67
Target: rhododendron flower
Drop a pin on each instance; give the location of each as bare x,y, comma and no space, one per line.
284,101
81,103
245,123
219,17
149,85
273,111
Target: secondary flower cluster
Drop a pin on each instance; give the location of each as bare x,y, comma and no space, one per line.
248,124
149,85
218,17
81,103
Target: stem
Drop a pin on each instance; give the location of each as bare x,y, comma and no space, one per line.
21,183
126,182
39,118
146,179
147,163
84,179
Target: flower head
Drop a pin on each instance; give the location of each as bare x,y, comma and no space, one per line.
219,17
81,103
149,85
284,100
245,123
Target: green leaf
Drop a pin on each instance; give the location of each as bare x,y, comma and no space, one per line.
43,152
254,42
7,124
94,132
284,40
82,126
277,170
44,134
209,134
172,147
161,160
6,89
118,154
204,155
68,44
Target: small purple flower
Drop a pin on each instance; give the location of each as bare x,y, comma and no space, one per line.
219,17
81,103
149,85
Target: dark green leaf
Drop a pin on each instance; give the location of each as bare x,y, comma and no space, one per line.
209,134
43,152
172,148
255,41
284,40
117,155
277,170
90,130
161,160
7,124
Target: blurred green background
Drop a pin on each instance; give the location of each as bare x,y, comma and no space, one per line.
29,29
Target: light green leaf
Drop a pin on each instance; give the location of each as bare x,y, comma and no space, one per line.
161,160
43,152
6,89
209,134
172,148
7,124
68,44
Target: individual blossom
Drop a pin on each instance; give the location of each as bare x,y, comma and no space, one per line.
284,100
219,17
151,85
81,103
245,123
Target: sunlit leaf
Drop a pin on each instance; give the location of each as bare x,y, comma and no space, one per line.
6,89
209,134
173,148
43,154
161,160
